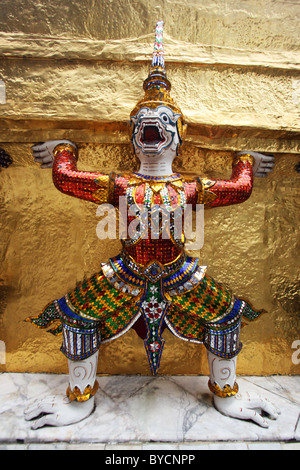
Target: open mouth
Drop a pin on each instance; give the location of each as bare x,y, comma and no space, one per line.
151,135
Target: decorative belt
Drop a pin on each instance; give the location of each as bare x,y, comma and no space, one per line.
178,277
169,268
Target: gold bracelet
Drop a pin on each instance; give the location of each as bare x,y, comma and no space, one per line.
245,157
76,395
226,392
70,148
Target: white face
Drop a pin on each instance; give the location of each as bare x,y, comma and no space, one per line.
155,134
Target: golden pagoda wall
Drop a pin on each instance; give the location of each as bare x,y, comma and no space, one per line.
75,70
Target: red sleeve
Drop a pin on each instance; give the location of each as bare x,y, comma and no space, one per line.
235,190
90,186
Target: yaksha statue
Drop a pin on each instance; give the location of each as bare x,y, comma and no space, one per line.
152,284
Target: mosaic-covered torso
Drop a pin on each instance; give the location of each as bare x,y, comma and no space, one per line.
146,193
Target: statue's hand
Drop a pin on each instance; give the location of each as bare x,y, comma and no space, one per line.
247,407
43,151
58,411
263,165
5,159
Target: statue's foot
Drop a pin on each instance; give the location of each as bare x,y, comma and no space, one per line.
57,411
247,407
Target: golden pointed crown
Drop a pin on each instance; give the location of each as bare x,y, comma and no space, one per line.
157,86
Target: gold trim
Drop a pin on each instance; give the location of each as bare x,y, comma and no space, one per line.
125,255
226,392
76,395
111,187
245,157
103,191
68,147
31,320
158,184
204,195
42,327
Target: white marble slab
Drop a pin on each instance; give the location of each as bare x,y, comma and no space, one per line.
132,410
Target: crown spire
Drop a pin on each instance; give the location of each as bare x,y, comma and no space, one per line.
157,77
157,87
158,52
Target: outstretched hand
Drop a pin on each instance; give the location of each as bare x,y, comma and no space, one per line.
57,411
247,407
263,165
43,151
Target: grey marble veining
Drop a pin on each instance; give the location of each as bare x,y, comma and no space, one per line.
135,409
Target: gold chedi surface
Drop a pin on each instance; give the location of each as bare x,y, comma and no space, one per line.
49,243
75,70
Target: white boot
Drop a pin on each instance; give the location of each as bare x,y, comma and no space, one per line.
228,401
77,405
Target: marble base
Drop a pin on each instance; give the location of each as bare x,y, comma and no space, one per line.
134,410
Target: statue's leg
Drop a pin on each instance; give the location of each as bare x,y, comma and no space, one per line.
222,380
222,341
223,344
81,348
80,345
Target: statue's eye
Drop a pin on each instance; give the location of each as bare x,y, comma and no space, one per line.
165,117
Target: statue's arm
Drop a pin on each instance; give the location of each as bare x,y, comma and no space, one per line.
237,189
62,157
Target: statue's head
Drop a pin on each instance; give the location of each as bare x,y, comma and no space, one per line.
157,123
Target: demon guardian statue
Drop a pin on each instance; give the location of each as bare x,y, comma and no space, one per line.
152,284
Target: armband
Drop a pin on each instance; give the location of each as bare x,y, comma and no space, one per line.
76,395
66,148
245,157
226,392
